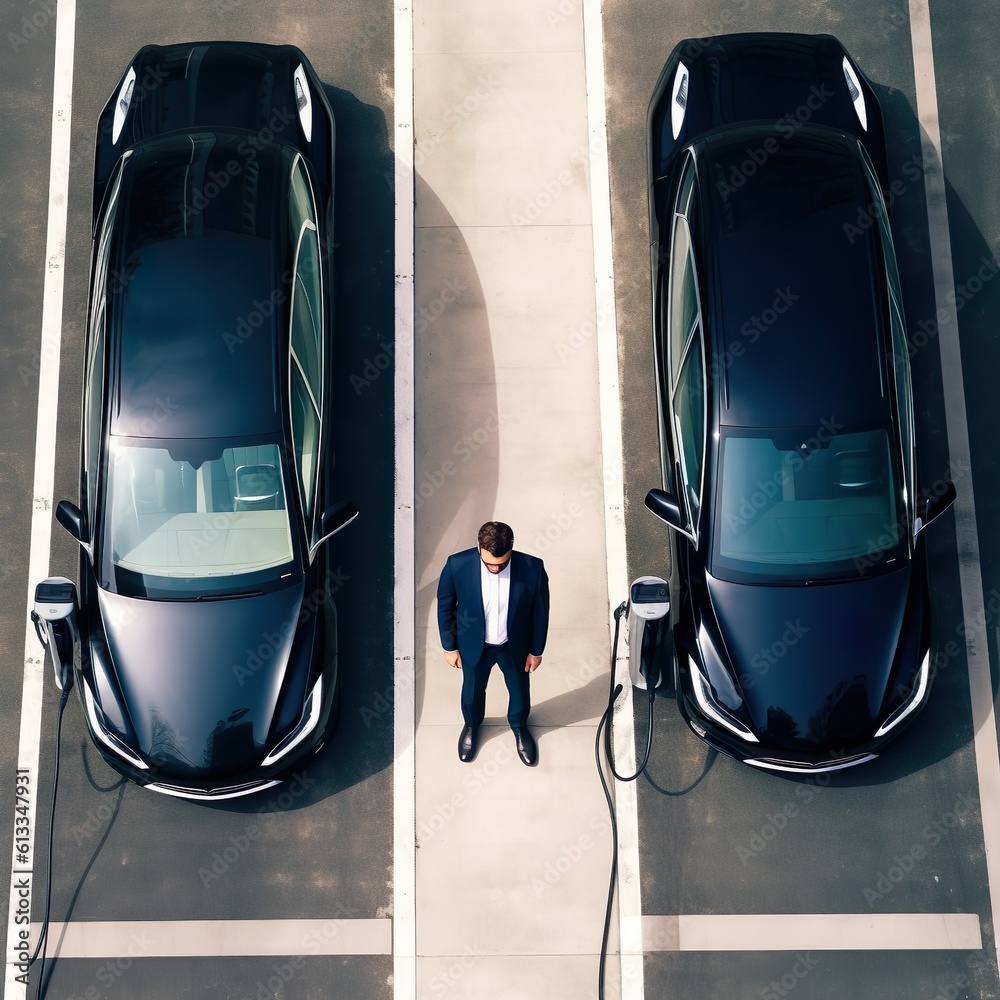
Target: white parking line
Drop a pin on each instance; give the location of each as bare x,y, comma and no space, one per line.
218,938
813,932
956,419
22,848
404,773
626,803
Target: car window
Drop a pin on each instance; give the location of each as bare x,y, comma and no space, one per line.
800,505
307,317
94,389
93,412
305,439
900,352
193,517
686,189
688,407
682,296
306,339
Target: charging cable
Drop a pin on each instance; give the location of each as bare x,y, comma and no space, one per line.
652,679
42,942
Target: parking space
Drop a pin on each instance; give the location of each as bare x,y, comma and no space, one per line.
874,882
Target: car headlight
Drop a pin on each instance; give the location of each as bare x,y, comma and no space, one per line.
708,700
857,95
310,717
679,99
122,101
103,732
916,696
303,101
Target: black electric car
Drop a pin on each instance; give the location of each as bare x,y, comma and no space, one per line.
799,596
207,642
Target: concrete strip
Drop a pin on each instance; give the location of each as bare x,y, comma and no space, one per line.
956,419
403,782
509,425
22,848
626,801
813,932
217,938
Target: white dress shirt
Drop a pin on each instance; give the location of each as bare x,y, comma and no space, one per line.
496,594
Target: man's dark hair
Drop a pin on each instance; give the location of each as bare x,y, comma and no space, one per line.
496,537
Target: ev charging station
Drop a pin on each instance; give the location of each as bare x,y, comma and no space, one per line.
648,632
55,619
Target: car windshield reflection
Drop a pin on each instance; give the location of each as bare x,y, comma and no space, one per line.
208,520
793,508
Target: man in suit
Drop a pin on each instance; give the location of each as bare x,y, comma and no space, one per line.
493,607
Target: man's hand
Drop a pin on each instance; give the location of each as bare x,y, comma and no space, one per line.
533,663
452,658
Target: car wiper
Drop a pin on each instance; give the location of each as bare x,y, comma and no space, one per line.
229,597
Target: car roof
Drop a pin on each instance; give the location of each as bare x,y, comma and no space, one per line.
197,293
793,289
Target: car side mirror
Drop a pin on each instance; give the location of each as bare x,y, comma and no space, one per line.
933,506
666,507
71,518
334,518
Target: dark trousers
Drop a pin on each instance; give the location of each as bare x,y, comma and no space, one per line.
476,676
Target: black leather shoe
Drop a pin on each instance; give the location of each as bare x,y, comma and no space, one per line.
467,744
526,748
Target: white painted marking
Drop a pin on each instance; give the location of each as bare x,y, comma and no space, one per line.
404,598
956,420
814,932
626,805
22,861
217,938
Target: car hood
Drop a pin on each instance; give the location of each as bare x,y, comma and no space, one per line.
200,680
813,663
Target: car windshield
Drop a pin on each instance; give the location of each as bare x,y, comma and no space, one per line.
797,506
192,519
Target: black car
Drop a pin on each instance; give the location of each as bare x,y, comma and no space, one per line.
798,584
207,653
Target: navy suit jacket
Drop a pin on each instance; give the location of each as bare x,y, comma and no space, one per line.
462,621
